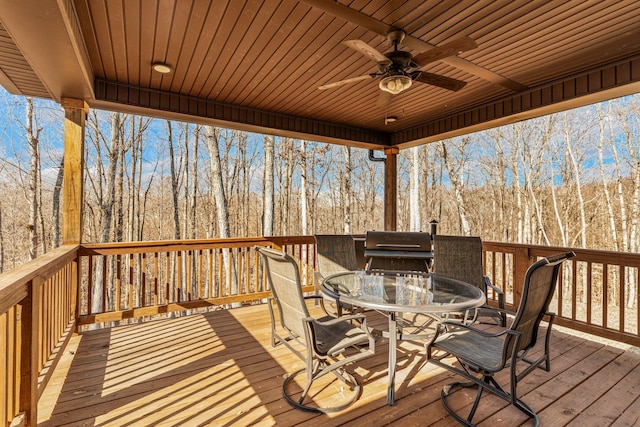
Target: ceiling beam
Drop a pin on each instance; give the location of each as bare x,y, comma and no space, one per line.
181,107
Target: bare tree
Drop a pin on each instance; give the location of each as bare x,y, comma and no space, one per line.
212,135
414,185
55,211
602,122
108,202
268,192
174,182
455,167
568,142
34,151
303,188
346,188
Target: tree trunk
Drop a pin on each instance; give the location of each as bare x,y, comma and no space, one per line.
287,183
110,179
605,179
213,135
194,184
578,184
55,214
303,187
268,203
174,183
34,151
414,197
456,172
348,167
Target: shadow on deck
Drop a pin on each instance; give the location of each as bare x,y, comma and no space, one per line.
220,369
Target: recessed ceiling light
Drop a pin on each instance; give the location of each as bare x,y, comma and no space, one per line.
390,119
161,67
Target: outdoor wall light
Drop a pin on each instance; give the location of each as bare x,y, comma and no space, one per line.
161,67
395,84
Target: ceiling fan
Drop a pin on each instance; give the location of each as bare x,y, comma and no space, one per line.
399,69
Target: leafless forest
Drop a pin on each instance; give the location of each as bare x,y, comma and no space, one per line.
570,179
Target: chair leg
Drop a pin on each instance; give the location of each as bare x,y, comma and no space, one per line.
490,384
343,376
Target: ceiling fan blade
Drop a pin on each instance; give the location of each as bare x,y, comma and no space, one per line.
346,81
365,21
384,99
368,51
444,51
440,81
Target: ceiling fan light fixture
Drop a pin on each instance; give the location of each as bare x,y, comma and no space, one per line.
161,67
395,84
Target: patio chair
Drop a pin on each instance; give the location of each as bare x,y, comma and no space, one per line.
482,354
325,344
460,258
361,260
336,254
398,250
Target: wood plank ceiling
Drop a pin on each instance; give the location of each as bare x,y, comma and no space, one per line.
257,65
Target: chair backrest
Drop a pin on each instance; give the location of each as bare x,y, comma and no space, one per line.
336,254
284,280
398,250
361,260
460,258
539,286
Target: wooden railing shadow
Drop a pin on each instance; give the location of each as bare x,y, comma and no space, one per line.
183,371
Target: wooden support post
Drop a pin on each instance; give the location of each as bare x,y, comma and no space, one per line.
75,113
29,339
391,189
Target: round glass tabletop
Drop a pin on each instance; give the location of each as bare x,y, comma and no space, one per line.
401,291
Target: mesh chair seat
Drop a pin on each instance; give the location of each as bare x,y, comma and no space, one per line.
333,337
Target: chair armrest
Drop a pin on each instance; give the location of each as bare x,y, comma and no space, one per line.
357,317
497,291
319,277
446,327
481,332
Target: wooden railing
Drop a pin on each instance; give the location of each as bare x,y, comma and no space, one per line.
133,280
45,300
597,292
37,316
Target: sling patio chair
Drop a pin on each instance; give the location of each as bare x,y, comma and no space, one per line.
325,344
481,354
336,253
460,258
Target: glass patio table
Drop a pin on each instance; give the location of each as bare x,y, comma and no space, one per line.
398,292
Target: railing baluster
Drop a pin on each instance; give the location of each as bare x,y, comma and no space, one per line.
621,297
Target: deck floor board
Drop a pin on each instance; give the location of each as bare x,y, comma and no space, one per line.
219,369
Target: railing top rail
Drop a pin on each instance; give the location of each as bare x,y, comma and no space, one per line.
589,255
13,284
194,244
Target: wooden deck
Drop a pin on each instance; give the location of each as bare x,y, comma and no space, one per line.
219,369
